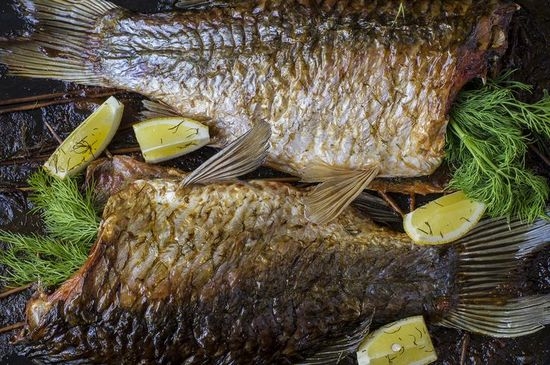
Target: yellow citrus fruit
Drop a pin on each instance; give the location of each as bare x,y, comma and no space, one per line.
405,342
87,141
443,220
164,138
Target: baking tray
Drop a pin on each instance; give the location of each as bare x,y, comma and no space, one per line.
26,142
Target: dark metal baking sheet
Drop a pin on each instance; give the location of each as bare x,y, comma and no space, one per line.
25,134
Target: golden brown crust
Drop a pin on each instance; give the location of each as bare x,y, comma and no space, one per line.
349,83
228,272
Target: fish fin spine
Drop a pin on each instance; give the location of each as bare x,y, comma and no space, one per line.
154,109
200,4
243,155
61,48
489,260
338,189
377,209
346,343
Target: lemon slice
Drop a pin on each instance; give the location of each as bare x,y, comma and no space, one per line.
405,342
443,220
87,141
164,138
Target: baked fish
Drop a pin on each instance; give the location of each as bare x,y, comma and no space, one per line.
234,273
352,89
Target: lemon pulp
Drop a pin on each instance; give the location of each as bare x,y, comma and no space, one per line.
443,220
87,141
405,342
164,138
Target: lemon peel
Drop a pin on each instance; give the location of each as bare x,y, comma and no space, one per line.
87,141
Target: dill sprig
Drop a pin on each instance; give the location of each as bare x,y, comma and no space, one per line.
31,258
68,215
486,145
71,220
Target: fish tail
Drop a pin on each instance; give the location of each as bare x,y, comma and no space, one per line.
63,46
493,294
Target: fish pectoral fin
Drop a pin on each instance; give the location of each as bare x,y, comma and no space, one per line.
376,209
243,155
492,262
155,109
337,190
343,344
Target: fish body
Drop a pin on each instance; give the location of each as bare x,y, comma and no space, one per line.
345,83
352,89
234,273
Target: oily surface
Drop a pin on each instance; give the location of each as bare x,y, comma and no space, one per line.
241,269
350,84
30,138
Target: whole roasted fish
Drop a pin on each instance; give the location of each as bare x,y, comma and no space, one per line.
234,273
353,89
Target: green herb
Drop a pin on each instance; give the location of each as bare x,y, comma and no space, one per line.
486,145
68,215
400,11
32,259
71,221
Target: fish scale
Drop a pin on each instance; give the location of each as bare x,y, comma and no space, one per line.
315,63
352,90
234,272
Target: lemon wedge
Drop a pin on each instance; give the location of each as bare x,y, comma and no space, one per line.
443,220
405,342
164,138
87,141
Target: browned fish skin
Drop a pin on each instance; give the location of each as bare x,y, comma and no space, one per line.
352,84
349,83
229,273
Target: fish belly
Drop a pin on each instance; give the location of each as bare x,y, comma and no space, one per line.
351,84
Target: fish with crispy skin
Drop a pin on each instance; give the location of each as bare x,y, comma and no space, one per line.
352,89
188,269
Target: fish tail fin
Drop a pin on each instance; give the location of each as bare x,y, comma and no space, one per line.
63,45
495,296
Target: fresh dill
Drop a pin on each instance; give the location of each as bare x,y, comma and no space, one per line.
487,142
400,11
68,214
31,258
71,220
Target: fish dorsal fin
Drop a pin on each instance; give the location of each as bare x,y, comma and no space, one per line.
333,352
239,157
490,259
154,109
338,188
